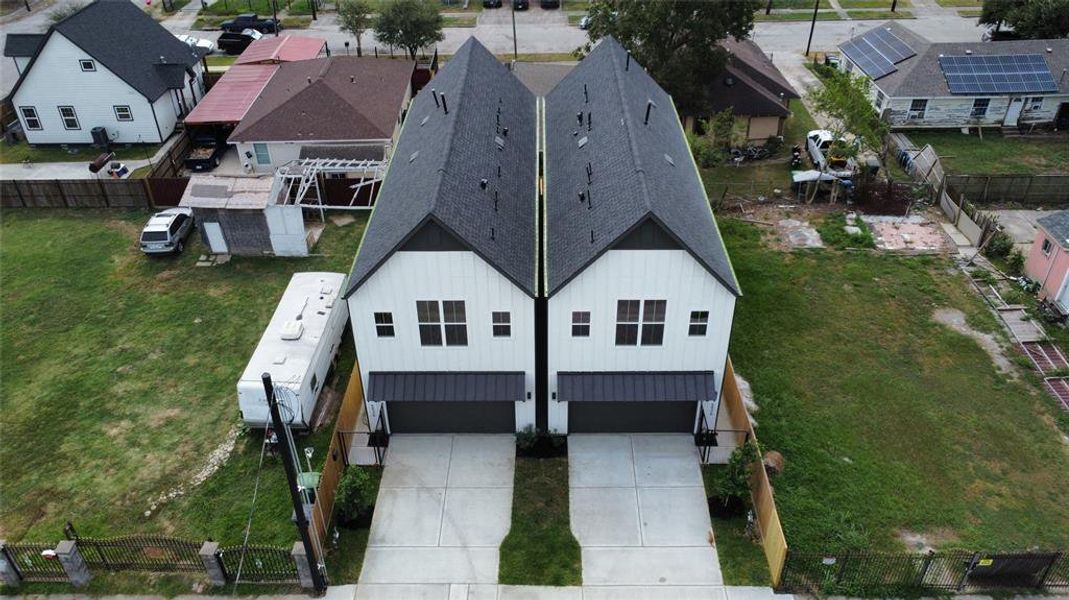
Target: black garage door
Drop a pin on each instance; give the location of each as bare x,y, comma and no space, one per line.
451,417
631,417
449,402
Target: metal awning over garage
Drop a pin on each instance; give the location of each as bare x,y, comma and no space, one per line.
472,386
642,386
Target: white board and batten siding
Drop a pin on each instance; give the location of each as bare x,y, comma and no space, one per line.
298,367
406,277
57,79
672,275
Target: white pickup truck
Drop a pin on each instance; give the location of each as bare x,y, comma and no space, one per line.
817,144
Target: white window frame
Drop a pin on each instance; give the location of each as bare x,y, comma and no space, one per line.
384,324
501,324
580,323
123,107
83,63
975,113
917,113
880,99
699,323
74,115
445,323
27,118
1046,247
1034,103
265,158
648,326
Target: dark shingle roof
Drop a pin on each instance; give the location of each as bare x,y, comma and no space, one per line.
340,98
632,179
438,163
920,76
737,90
1057,225
126,40
22,44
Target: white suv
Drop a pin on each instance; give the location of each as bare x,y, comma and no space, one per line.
166,231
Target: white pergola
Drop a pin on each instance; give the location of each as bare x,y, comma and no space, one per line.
297,182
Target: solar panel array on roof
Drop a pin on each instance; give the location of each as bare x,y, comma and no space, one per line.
877,52
1009,73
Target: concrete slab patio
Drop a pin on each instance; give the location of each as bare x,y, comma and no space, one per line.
444,506
638,510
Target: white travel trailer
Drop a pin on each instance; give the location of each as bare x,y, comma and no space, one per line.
297,350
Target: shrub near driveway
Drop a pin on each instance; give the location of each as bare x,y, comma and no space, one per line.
117,375
887,421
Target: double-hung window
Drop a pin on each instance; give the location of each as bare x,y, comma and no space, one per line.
581,323
442,321
1047,246
69,117
501,322
917,108
123,113
30,118
699,323
640,322
384,324
1034,103
979,107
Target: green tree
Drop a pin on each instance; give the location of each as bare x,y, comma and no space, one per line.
845,98
354,18
678,41
409,24
1031,19
65,11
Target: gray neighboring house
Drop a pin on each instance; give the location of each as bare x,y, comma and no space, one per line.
915,93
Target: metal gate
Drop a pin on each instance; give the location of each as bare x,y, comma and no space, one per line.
35,562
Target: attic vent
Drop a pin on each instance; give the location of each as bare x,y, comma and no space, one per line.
413,156
729,81
500,142
582,141
968,52
668,159
292,330
424,121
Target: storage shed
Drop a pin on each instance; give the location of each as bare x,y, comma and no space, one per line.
240,216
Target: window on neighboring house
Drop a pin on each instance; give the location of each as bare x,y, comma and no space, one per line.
87,65
1035,103
640,321
30,118
849,66
263,156
430,323
315,382
502,323
917,108
1047,247
123,113
581,323
979,107
70,118
384,324
699,323
880,99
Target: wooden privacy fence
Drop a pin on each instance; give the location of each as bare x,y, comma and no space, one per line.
1027,190
92,193
337,453
172,162
773,542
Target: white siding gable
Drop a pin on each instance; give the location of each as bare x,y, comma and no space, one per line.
57,79
672,275
406,277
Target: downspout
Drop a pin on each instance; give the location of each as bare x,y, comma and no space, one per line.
155,119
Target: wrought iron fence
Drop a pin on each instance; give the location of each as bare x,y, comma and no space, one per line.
150,553
261,564
34,562
895,573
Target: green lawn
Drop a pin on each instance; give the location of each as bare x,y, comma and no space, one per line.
118,378
540,548
17,153
742,561
220,60
873,4
822,15
879,14
887,420
233,7
970,12
967,3
464,21
996,155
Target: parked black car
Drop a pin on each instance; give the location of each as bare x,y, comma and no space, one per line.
235,43
251,21
550,4
520,4
491,3
206,152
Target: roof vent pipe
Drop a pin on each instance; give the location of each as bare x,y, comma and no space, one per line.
649,105
579,117
445,105
352,79
589,173
627,65
505,131
309,80
483,183
968,52
1050,50
588,121
591,236
586,95
493,235
434,93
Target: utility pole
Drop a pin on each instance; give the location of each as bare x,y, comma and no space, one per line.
515,44
768,11
312,3
289,461
812,26
274,14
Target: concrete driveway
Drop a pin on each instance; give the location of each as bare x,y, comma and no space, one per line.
639,511
444,507
1020,225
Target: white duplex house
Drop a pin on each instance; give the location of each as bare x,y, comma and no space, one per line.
915,83
442,291
641,292
109,65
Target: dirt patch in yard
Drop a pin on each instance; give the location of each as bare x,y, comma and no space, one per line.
906,234
926,542
955,319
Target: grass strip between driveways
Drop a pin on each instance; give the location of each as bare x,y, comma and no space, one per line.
540,548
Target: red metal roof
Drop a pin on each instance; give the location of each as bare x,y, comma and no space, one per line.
231,96
281,49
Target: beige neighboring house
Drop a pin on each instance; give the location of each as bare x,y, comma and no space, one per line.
343,107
